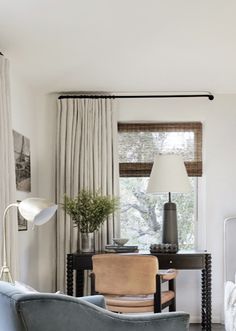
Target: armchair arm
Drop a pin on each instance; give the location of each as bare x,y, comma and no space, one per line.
167,275
174,321
158,305
97,300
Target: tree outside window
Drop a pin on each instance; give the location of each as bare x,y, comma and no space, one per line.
141,213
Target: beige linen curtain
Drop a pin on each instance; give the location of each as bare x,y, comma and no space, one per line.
7,170
86,158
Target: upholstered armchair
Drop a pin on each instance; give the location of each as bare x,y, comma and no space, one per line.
131,283
55,312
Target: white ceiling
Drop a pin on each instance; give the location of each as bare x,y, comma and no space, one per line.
122,45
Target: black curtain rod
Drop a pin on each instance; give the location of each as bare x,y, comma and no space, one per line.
204,95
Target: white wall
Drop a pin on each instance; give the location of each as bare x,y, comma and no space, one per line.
24,121
33,115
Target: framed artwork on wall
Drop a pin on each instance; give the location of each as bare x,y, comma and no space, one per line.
22,162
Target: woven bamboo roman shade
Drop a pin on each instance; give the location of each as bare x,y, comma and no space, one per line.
140,142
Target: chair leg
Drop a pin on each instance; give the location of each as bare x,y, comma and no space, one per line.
92,276
157,295
172,287
172,306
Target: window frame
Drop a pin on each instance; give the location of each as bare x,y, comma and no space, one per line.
194,168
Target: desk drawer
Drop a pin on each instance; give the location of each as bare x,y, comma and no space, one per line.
82,262
181,262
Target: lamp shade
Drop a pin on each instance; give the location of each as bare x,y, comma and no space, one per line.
168,175
37,210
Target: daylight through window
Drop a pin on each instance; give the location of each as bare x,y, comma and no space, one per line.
141,213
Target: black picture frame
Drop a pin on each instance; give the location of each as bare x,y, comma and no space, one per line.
22,162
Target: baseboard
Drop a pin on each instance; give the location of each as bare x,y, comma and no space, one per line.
197,319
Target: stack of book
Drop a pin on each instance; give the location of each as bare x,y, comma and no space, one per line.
121,249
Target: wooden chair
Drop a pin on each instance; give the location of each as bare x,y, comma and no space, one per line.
131,283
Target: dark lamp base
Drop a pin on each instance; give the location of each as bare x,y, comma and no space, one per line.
170,230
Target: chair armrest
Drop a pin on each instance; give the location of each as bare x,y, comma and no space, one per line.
158,305
97,300
167,275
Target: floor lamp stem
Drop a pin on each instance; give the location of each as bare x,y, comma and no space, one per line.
5,271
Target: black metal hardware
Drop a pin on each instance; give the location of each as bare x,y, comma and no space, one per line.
145,96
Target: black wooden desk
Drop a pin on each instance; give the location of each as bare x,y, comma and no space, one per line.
185,260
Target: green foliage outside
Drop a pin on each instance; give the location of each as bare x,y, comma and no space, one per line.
141,214
89,210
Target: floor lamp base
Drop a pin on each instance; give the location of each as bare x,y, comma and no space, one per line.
5,275
170,230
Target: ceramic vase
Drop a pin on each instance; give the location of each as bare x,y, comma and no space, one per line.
87,242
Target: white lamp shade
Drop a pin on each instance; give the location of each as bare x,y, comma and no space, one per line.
36,210
168,175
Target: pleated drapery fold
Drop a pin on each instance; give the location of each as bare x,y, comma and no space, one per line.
86,159
7,171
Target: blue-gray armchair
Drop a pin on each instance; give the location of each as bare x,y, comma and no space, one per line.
55,312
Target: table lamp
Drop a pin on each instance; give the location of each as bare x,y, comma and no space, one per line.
169,175
35,210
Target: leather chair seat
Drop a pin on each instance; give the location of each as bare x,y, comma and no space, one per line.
138,303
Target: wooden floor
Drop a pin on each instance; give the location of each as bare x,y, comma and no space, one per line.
215,327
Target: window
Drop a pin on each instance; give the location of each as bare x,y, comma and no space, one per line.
141,214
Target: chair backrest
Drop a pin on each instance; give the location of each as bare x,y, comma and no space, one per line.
21,311
50,312
125,274
10,319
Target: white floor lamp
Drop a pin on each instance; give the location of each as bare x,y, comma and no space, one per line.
35,210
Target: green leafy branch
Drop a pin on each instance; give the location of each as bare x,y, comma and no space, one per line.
89,210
